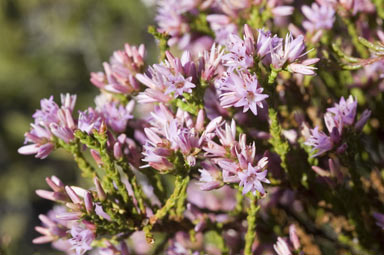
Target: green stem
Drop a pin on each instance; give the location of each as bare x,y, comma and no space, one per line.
112,174
148,234
180,206
83,164
251,219
138,192
162,41
273,75
75,149
180,184
280,146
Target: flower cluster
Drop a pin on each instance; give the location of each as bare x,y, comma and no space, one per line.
50,122
337,119
241,90
171,135
176,76
63,225
239,85
190,24
236,159
319,17
54,124
270,50
171,147
119,75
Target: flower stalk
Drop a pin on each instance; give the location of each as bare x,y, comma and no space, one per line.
251,220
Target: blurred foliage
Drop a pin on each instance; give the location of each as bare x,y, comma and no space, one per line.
48,47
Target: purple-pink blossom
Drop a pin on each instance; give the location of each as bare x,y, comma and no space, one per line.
50,121
287,51
319,16
337,118
168,80
240,53
241,90
319,141
251,178
82,238
89,120
116,115
119,74
52,228
345,109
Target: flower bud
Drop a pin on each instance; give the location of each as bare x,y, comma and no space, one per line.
363,120
99,189
200,121
72,195
96,156
88,202
55,183
117,152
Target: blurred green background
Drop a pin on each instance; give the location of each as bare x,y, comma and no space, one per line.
48,47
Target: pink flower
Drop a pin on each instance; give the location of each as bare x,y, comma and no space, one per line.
240,53
319,17
49,121
241,90
265,42
82,239
252,177
157,84
304,67
235,158
288,51
334,125
57,194
120,73
319,141
89,120
210,62
156,151
209,176
116,115
48,111
41,139
346,109
222,26
171,20
52,228
281,247
168,80
171,135
178,85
